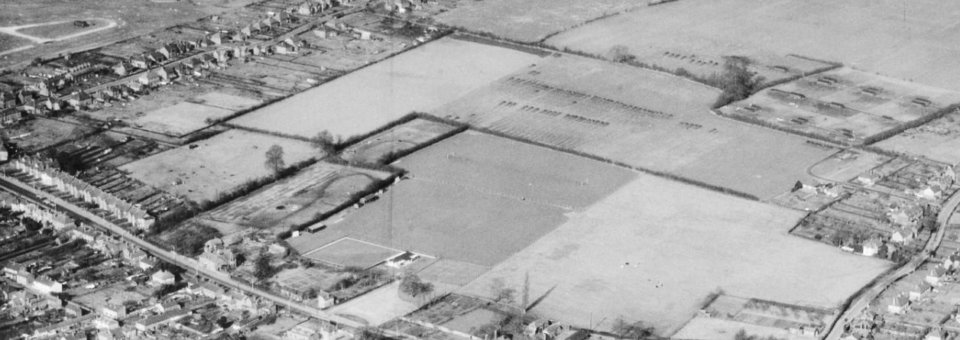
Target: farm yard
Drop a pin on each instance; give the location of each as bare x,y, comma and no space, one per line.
910,41
529,21
443,209
313,191
646,250
206,169
416,80
396,139
844,104
639,117
938,140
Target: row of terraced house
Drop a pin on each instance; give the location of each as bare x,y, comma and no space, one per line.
48,175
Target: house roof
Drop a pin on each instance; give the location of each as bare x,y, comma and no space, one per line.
900,301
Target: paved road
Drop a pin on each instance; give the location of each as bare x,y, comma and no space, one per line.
14,185
860,303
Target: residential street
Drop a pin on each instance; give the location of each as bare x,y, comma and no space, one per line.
858,305
13,185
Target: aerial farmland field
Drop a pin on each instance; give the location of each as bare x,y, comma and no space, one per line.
907,40
417,80
643,118
844,104
445,208
216,165
655,249
531,20
313,191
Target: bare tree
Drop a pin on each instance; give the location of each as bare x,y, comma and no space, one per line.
619,54
275,158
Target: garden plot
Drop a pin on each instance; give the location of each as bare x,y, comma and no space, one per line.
938,140
639,117
655,250
35,134
226,100
209,168
911,41
178,109
843,104
313,191
419,79
702,327
444,209
397,139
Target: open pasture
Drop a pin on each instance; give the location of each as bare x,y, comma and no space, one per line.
314,190
397,139
843,104
639,117
656,248
906,40
529,20
444,209
206,169
417,80
348,252
938,140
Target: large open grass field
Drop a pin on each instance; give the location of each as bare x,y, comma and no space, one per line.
475,198
908,40
531,20
639,117
313,191
656,248
217,165
417,80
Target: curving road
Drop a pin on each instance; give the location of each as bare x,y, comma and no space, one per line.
861,302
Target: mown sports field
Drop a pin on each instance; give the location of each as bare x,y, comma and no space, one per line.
655,249
639,117
476,199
